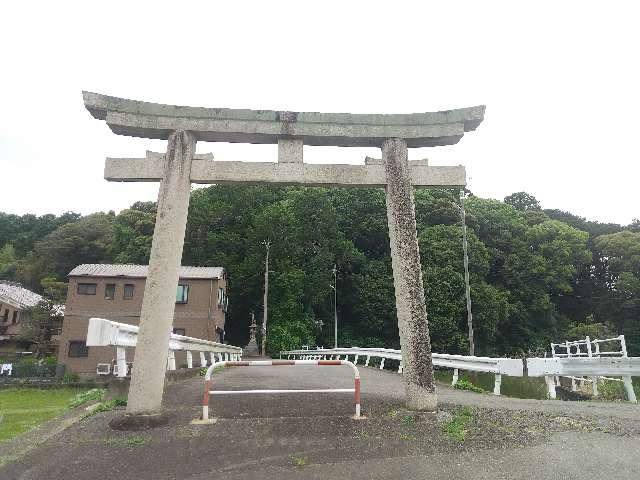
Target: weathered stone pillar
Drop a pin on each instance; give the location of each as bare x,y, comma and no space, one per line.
407,278
156,318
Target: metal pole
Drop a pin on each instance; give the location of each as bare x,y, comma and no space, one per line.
335,307
266,294
466,275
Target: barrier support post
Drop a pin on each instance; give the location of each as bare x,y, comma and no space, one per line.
497,384
189,359
628,386
454,380
551,386
121,361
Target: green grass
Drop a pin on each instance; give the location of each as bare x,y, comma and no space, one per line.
106,406
299,461
23,409
457,426
132,441
517,387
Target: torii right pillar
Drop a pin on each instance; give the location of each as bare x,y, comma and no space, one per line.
413,325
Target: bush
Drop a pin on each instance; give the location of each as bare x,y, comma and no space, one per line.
456,427
467,385
70,377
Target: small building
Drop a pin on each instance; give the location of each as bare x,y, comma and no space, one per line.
15,301
115,292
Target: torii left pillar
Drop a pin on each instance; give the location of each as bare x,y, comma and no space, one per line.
156,317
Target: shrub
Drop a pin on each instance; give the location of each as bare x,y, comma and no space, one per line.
467,385
70,377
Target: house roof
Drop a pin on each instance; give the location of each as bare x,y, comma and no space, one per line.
140,271
18,296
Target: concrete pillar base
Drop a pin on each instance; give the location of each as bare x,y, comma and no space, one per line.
135,423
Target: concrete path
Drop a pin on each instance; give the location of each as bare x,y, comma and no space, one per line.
313,436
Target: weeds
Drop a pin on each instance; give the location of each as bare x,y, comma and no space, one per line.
299,461
106,407
133,441
456,427
95,394
467,385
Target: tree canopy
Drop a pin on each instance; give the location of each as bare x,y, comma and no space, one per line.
536,275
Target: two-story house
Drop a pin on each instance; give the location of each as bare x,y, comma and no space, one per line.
115,292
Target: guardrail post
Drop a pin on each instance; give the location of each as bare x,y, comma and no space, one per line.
189,359
121,361
454,380
496,386
366,364
400,367
382,364
623,345
628,386
171,360
212,357
355,360
203,360
551,386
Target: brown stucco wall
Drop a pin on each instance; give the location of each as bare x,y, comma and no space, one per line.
12,328
192,316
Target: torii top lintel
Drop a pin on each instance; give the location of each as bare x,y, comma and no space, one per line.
153,120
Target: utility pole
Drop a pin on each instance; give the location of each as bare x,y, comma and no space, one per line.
335,306
267,244
466,274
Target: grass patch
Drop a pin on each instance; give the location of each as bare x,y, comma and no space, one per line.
93,395
457,426
132,441
300,461
23,409
467,385
106,406
203,370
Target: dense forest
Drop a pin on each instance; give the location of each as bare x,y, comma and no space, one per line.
536,275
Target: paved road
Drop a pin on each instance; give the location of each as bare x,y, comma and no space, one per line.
305,436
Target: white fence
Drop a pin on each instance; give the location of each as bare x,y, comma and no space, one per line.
497,366
105,333
585,358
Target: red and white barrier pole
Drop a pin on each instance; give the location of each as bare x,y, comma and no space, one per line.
278,363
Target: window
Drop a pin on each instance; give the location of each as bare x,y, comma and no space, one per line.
78,348
128,291
179,331
220,296
110,291
86,289
15,316
182,294
6,315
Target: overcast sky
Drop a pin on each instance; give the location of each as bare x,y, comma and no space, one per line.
560,81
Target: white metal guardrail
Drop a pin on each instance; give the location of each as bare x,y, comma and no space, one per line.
497,366
279,363
105,333
625,367
589,348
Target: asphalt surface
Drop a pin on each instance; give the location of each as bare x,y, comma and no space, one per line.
313,435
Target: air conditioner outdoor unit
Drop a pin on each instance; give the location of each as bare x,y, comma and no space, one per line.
103,368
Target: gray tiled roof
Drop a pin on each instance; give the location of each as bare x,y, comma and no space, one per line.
18,295
140,271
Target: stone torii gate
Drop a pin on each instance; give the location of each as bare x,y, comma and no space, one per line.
180,166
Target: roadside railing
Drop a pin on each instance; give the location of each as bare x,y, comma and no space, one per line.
584,361
589,348
279,363
105,333
497,366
